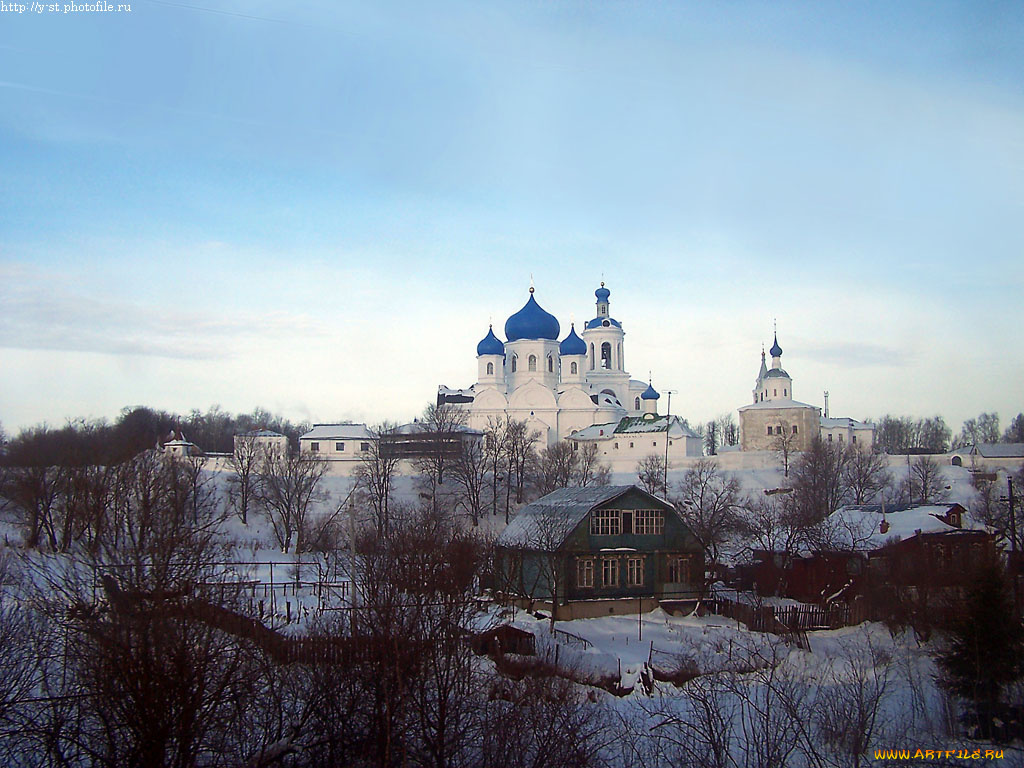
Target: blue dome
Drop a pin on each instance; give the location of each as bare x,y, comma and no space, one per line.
490,344
776,350
532,322
602,293
649,393
572,344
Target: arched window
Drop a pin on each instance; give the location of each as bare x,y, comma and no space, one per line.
636,404
531,363
785,393
591,356
490,369
514,358
573,369
551,365
606,355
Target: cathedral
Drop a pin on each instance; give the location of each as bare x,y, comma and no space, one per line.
557,386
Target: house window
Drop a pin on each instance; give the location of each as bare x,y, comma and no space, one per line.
853,439
314,447
794,429
610,572
605,522
635,571
654,443
551,365
490,369
585,572
769,429
830,437
840,438
630,445
775,393
648,522
339,446
573,369
364,446
531,363
616,446
678,570
785,393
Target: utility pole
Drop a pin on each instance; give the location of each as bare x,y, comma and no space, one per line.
668,425
1013,545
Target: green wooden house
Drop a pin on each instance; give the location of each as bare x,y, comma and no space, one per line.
585,552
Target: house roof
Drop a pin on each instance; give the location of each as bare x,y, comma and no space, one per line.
344,431
859,527
994,450
633,425
260,433
767,405
844,421
546,523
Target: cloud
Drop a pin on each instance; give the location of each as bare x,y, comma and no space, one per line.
855,354
44,312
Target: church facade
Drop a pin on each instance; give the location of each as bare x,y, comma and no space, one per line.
775,419
557,386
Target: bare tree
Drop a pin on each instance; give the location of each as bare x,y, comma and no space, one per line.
785,444
765,524
865,474
376,473
591,470
497,454
924,483
469,471
728,431
287,487
708,502
520,444
443,425
975,431
557,467
712,438
243,463
651,471
818,488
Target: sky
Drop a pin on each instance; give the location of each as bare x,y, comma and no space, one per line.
317,208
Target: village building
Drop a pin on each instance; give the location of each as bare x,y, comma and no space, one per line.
266,441
988,457
345,443
599,550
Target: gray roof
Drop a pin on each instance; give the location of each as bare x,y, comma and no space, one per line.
546,523
261,433
1000,450
776,373
767,405
345,431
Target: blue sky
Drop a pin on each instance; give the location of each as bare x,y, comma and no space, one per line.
317,207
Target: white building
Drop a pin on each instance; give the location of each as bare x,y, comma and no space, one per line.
265,440
557,387
344,442
775,415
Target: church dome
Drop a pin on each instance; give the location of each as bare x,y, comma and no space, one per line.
650,393
572,344
532,322
776,350
602,293
490,344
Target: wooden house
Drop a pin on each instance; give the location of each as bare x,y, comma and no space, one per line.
585,552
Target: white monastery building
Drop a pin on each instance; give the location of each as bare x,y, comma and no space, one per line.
775,415
556,387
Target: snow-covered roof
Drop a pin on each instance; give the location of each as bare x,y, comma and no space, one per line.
422,427
845,422
779,404
546,523
343,431
993,450
261,433
631,425
859,527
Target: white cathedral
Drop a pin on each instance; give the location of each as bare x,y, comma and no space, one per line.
557,387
